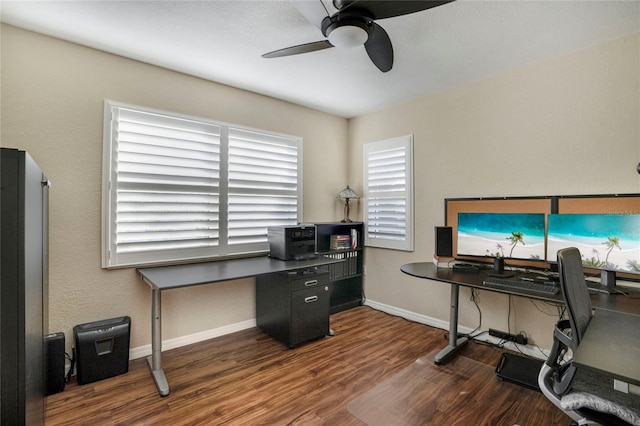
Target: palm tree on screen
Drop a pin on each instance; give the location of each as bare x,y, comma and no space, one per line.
611,243
514,239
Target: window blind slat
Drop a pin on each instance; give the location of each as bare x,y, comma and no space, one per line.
263,185
388,193
164,174
163,151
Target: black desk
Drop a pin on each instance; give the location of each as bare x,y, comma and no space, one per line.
170,277
427,270
611,345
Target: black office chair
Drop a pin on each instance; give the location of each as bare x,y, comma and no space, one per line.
578,393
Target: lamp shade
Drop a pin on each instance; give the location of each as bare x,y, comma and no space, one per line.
348,193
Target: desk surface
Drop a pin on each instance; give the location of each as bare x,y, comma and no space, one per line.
619,303
611,345
468,279
168,277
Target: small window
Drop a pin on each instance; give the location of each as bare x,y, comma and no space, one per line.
388,193
178,188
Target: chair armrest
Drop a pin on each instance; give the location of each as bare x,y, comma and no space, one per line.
560,334
561,341
562,375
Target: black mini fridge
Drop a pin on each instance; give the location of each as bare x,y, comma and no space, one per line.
23,288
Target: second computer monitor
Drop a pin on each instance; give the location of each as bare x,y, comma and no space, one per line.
606,241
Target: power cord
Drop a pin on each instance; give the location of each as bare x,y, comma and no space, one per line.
72,361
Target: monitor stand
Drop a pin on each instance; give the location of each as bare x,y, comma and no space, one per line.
498,269
608,283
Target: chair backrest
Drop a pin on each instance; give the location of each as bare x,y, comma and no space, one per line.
575,293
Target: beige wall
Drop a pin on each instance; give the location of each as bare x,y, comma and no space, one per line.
52,106
565,126
569,125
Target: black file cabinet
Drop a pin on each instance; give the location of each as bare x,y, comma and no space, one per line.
293,307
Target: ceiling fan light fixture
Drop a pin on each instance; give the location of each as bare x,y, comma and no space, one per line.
348,36
354,25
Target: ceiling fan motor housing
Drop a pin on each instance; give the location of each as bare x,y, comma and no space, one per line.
346,32
354,25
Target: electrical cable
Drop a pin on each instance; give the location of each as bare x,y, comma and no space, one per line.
474,298
72,361
541,351
554,305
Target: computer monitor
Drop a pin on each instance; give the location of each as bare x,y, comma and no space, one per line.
607,241
501,235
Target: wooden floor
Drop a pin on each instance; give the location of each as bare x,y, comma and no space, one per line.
247,378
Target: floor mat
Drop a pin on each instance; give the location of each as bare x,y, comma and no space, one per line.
428,394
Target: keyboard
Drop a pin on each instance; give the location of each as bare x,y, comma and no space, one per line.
545,288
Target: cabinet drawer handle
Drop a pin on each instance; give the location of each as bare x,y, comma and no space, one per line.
310,299
310,283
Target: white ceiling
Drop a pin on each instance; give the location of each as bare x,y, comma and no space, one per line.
434,49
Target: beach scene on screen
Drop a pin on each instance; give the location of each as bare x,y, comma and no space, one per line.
507,235
605,241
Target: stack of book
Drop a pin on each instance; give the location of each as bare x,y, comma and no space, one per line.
340,242
443,261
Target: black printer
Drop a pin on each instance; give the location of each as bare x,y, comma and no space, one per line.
296,242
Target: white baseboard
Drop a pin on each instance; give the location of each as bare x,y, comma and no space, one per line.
444,325
412,316
142,351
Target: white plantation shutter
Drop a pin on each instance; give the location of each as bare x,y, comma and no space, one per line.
388,193
177,188
164,187
263,184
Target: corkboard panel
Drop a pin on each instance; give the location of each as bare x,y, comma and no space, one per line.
606,203
494,205
627,204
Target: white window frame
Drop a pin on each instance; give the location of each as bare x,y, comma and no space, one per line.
385,228
244,173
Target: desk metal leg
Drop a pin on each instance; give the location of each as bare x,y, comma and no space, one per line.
455,343
155,361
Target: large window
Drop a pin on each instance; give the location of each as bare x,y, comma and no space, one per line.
178,188
388,193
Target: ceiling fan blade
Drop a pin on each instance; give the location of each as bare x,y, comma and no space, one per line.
341,4
379,48
313,11
301,48
379,9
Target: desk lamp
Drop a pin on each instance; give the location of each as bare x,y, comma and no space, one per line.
346,194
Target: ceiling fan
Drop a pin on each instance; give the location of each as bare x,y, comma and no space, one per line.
353,25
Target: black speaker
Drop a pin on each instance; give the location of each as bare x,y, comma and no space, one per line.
102,349
54,363
444,241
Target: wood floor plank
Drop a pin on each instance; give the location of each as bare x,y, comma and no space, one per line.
247,378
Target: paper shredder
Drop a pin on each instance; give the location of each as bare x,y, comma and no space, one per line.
102,349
